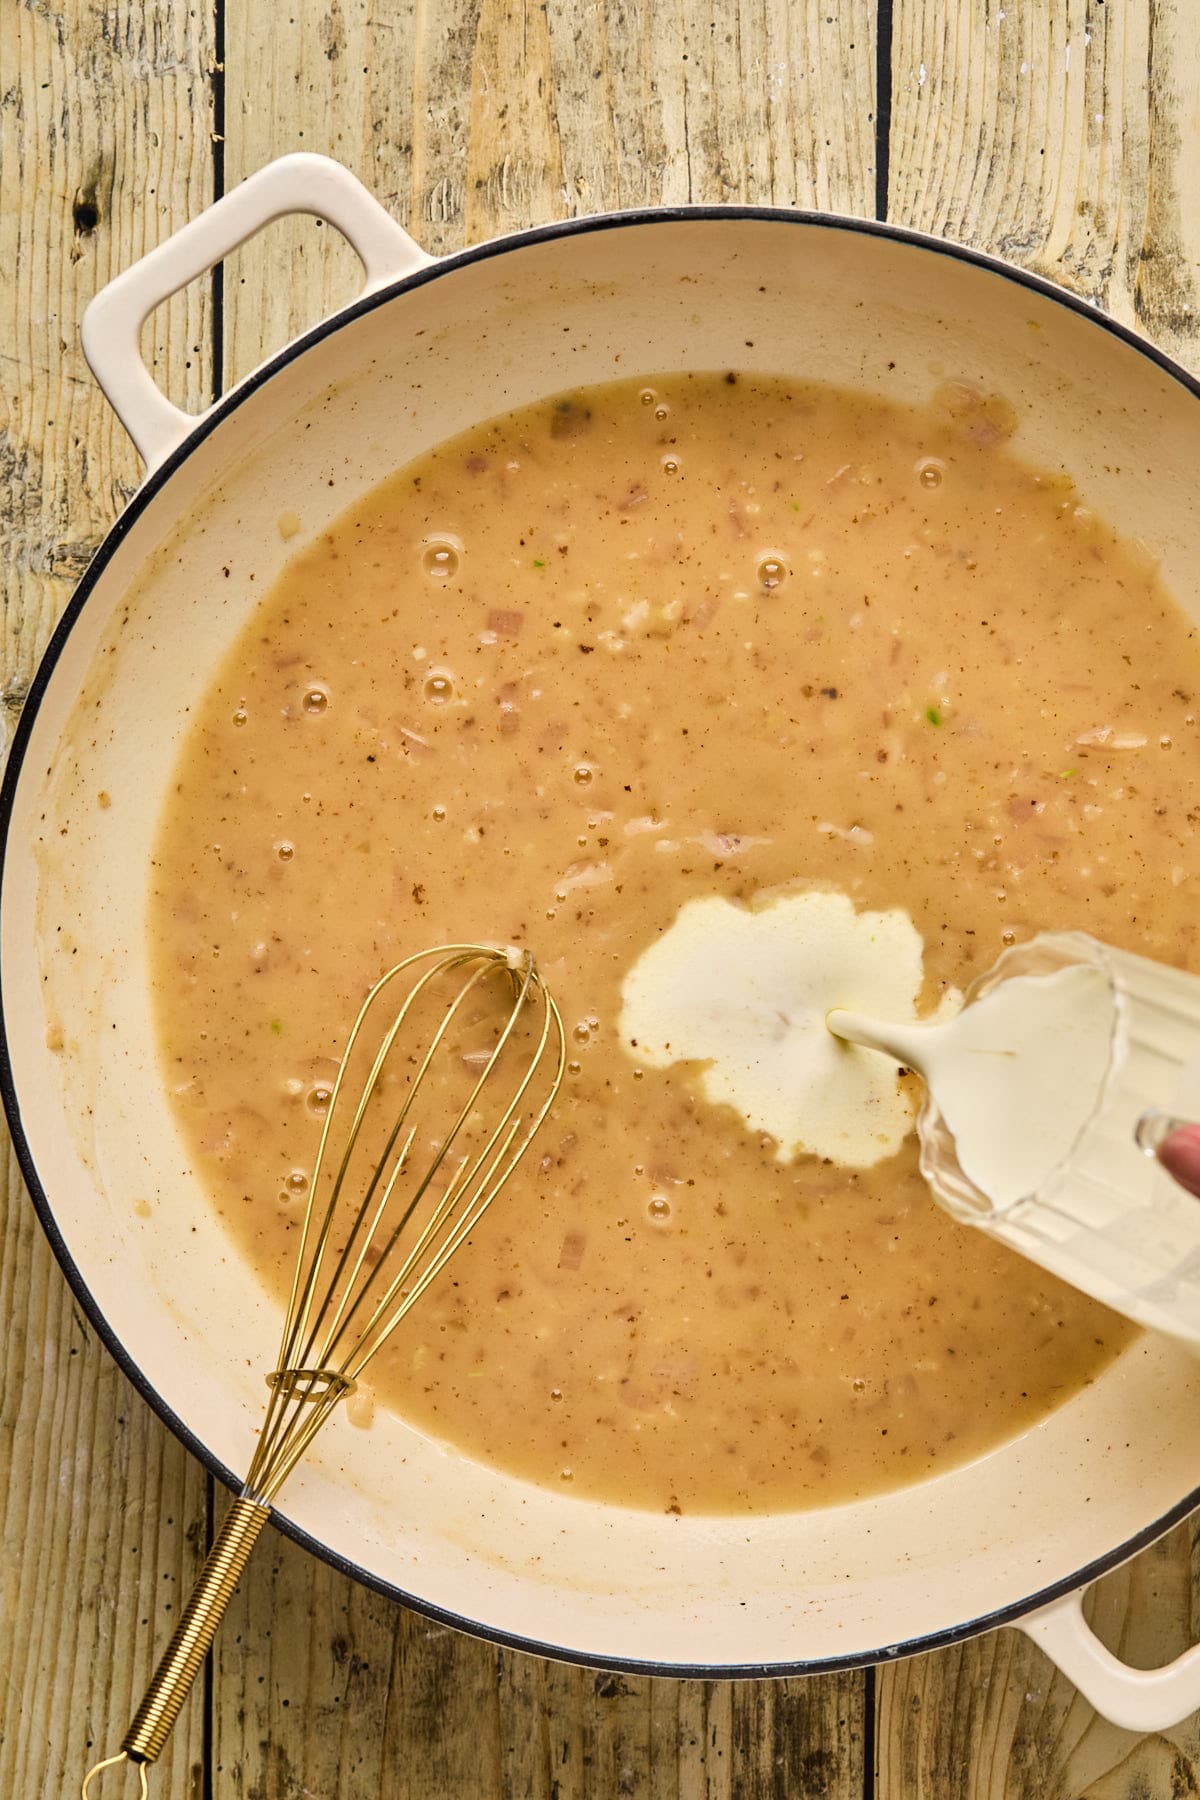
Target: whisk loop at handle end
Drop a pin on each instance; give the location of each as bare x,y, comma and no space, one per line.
439,1094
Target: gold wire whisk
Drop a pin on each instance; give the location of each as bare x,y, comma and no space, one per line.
381,1221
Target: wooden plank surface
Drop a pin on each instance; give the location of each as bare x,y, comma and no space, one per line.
1064,137
105,146
1062,133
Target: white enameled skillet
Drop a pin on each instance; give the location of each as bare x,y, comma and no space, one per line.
428,349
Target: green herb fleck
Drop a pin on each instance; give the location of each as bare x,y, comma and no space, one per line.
933,715
1066,774
538,563
795,506
277,1026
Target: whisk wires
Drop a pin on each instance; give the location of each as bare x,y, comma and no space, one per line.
367,1257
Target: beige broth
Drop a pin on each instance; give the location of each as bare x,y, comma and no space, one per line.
707,634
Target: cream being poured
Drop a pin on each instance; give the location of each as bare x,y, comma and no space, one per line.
799,1012
1016,1076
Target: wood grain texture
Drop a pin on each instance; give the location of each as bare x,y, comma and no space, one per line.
104,147
1065,137
993,1720
325,1689
472,117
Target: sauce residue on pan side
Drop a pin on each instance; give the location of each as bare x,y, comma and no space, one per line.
701,635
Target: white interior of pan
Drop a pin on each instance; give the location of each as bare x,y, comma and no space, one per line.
806,301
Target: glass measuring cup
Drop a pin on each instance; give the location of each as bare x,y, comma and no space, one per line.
1106,1217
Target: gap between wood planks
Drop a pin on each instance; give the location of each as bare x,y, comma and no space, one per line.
883,104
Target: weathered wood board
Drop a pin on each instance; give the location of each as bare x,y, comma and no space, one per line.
1061,133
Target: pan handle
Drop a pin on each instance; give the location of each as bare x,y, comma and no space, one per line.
1135,1699
300,183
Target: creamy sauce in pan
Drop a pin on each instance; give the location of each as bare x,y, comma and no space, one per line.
654,642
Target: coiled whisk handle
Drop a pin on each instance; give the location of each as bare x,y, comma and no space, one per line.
181,1660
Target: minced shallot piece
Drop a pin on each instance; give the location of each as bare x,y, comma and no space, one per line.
571,1254
1103,736
583,875
412,743
726,843
853,834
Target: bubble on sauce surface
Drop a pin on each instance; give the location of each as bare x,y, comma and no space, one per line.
317,1098
439,687
662,412
670,465
240,716
583,774
658,1209
316,699
931,471
440,558
647,396
285,850
772,570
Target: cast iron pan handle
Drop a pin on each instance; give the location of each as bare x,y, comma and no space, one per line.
300,183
